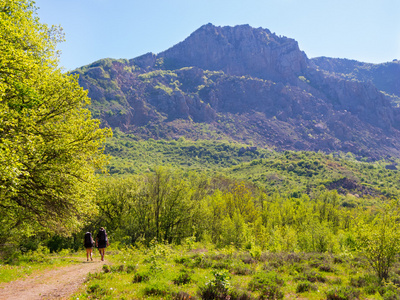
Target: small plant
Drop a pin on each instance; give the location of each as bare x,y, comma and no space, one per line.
217,288
97,291
140,277
106,269
181,260
117,269
184,277
130,268
342,293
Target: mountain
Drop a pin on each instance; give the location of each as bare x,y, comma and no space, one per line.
252,86
385,76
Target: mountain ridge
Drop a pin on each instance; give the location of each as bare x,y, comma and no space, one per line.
248,85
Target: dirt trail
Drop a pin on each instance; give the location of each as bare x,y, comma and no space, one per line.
59,283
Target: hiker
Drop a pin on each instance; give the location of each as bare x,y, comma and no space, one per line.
102,242
89,243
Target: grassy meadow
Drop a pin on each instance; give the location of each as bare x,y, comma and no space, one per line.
198,271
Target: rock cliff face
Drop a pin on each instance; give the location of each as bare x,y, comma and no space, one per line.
248,85
385,76
239,50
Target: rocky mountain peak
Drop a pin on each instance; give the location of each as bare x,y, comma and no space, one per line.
239,50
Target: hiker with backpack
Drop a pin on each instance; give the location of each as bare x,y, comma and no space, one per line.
89,243
102,242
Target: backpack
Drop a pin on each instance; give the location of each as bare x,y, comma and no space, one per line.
102,236
88,240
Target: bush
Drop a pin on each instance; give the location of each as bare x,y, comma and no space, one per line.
240,295
326,268
140,277
241,269
217,288
370,283
268,284
271,292
342,293
184,277
305,286
389,291
262,279
157,288
313,276
97,291
106,269
183,296
130,268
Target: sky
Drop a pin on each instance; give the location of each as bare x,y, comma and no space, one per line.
364,30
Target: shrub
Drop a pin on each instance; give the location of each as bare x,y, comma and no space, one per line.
130,269
240,295
97,291
241,269
262,279
313,276
181,260
217,288
390,295
140,277
117,269
268,284
156,288
370,283
221,265
184,277
183,296
342,293
305,286
389,291
106,269
271,292
326,268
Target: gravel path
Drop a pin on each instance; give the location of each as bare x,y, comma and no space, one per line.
59,283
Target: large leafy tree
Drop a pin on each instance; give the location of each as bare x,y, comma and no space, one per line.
50,147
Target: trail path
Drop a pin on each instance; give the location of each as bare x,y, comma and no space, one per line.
59,283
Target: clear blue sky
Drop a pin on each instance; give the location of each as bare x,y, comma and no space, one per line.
365,30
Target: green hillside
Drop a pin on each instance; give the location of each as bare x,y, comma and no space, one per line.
288,172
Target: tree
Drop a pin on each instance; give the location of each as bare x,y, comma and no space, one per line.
379,240
50,145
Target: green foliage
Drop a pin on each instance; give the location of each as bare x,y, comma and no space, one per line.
216,288
268,283
157,288
286,173
379,240
305,286
51,146
342,293
97,291
141,277
184,277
